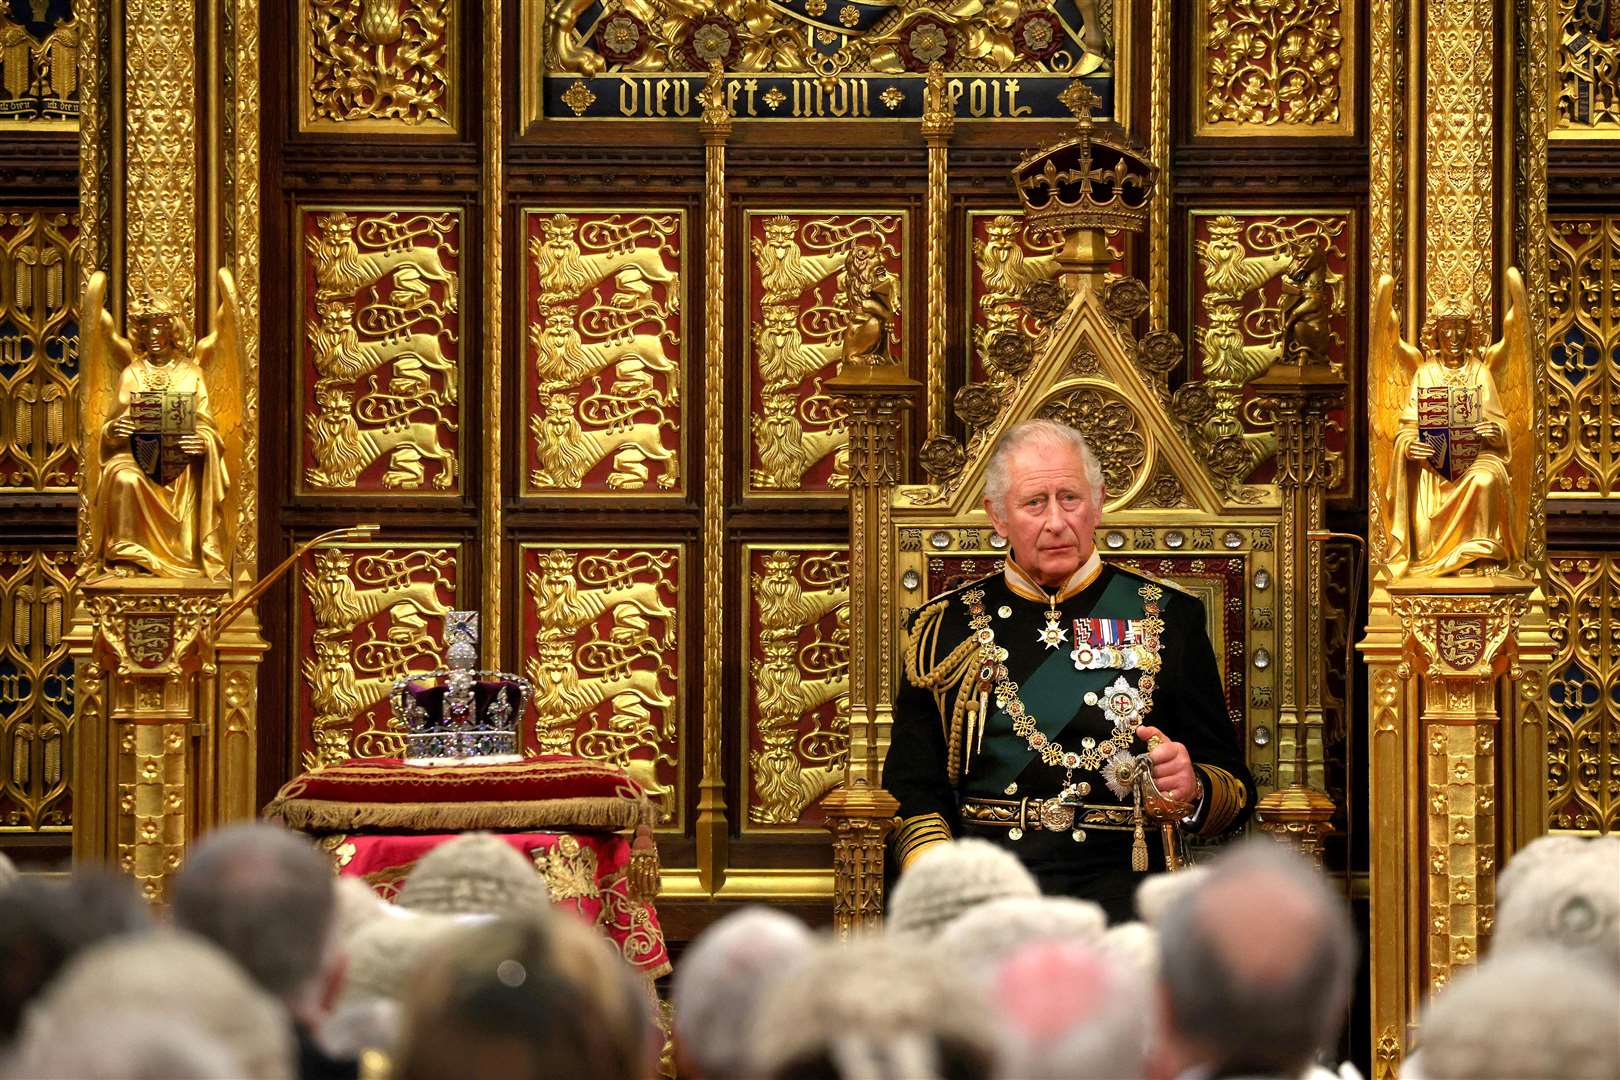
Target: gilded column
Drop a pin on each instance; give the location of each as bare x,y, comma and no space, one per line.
1159,152
713,831
939,121
494,192
160,177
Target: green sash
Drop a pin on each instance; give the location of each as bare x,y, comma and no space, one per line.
1054,695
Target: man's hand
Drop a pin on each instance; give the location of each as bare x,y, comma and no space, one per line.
123,427
1172,767
1491,432
1418,450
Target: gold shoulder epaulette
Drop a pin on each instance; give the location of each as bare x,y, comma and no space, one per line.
1165,582
921,649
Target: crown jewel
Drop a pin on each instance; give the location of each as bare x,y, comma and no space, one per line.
1095,179
457,712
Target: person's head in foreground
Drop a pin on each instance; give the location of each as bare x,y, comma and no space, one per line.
878,1008
266,897
128,986
1569,896
525,996
948,879
1043,490
1527,1014
1071,1012
719,983
1255,966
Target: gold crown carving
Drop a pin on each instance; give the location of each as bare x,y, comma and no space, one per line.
1095,179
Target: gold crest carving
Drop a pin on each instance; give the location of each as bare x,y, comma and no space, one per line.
800,311
1583,693
798,680
367,615
1583,333
606,351
378,65
39,66
1275,68
381,350
1460,640
601,645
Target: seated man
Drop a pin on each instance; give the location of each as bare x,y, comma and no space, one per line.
1026,693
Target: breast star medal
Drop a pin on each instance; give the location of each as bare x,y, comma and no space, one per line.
1052,635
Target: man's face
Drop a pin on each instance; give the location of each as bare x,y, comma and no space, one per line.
1050,517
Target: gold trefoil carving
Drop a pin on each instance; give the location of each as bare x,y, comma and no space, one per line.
607,352
385,348
800,616
807,302
1583,383
379,60
605,657
1110,426
377,615
1269,295
38,435
36,687
1271,64
40,74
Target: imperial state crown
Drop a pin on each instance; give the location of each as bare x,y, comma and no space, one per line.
457,713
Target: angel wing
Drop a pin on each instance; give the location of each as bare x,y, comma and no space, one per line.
1510,364
220,356
103,355
1392,361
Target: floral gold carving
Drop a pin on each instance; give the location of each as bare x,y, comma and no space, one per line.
607,351
379,65
798,680
803,296
1583,693
1275,68
39,439
601,647
368,615
1583,382
1112,428
36,688
1459,104
161,153
381,350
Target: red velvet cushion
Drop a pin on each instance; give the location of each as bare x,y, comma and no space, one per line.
558,793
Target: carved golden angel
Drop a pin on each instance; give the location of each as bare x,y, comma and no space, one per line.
1453,440
162,431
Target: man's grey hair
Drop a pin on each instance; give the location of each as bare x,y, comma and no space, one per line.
1048,433
170,975
721,979
948,879
1257,964
137,1044
1572,898
1073,1012
266,897
1533,1012
982,937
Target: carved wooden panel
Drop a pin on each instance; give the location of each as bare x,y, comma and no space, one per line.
39,65
1283,67
380,353
1583,692
367,614
604,372
1264,286
601,642
821,58
796,681
797,314
36,689
1583,357
39,349
1006,259
378,66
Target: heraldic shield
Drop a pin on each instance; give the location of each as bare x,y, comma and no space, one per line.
160,419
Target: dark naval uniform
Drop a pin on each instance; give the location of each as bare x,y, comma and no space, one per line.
1004,706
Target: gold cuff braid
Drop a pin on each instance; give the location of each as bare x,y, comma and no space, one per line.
1226,797
914,835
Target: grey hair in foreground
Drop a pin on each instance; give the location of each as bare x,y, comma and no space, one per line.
1042,433
1257,964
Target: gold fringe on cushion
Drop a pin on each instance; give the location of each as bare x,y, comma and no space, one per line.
643,877
318,815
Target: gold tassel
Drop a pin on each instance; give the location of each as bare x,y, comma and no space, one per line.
984,718
642,877
1139,861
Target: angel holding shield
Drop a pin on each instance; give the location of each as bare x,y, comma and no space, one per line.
156,479
1456,468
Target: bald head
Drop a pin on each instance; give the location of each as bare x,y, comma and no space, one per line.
1257,963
